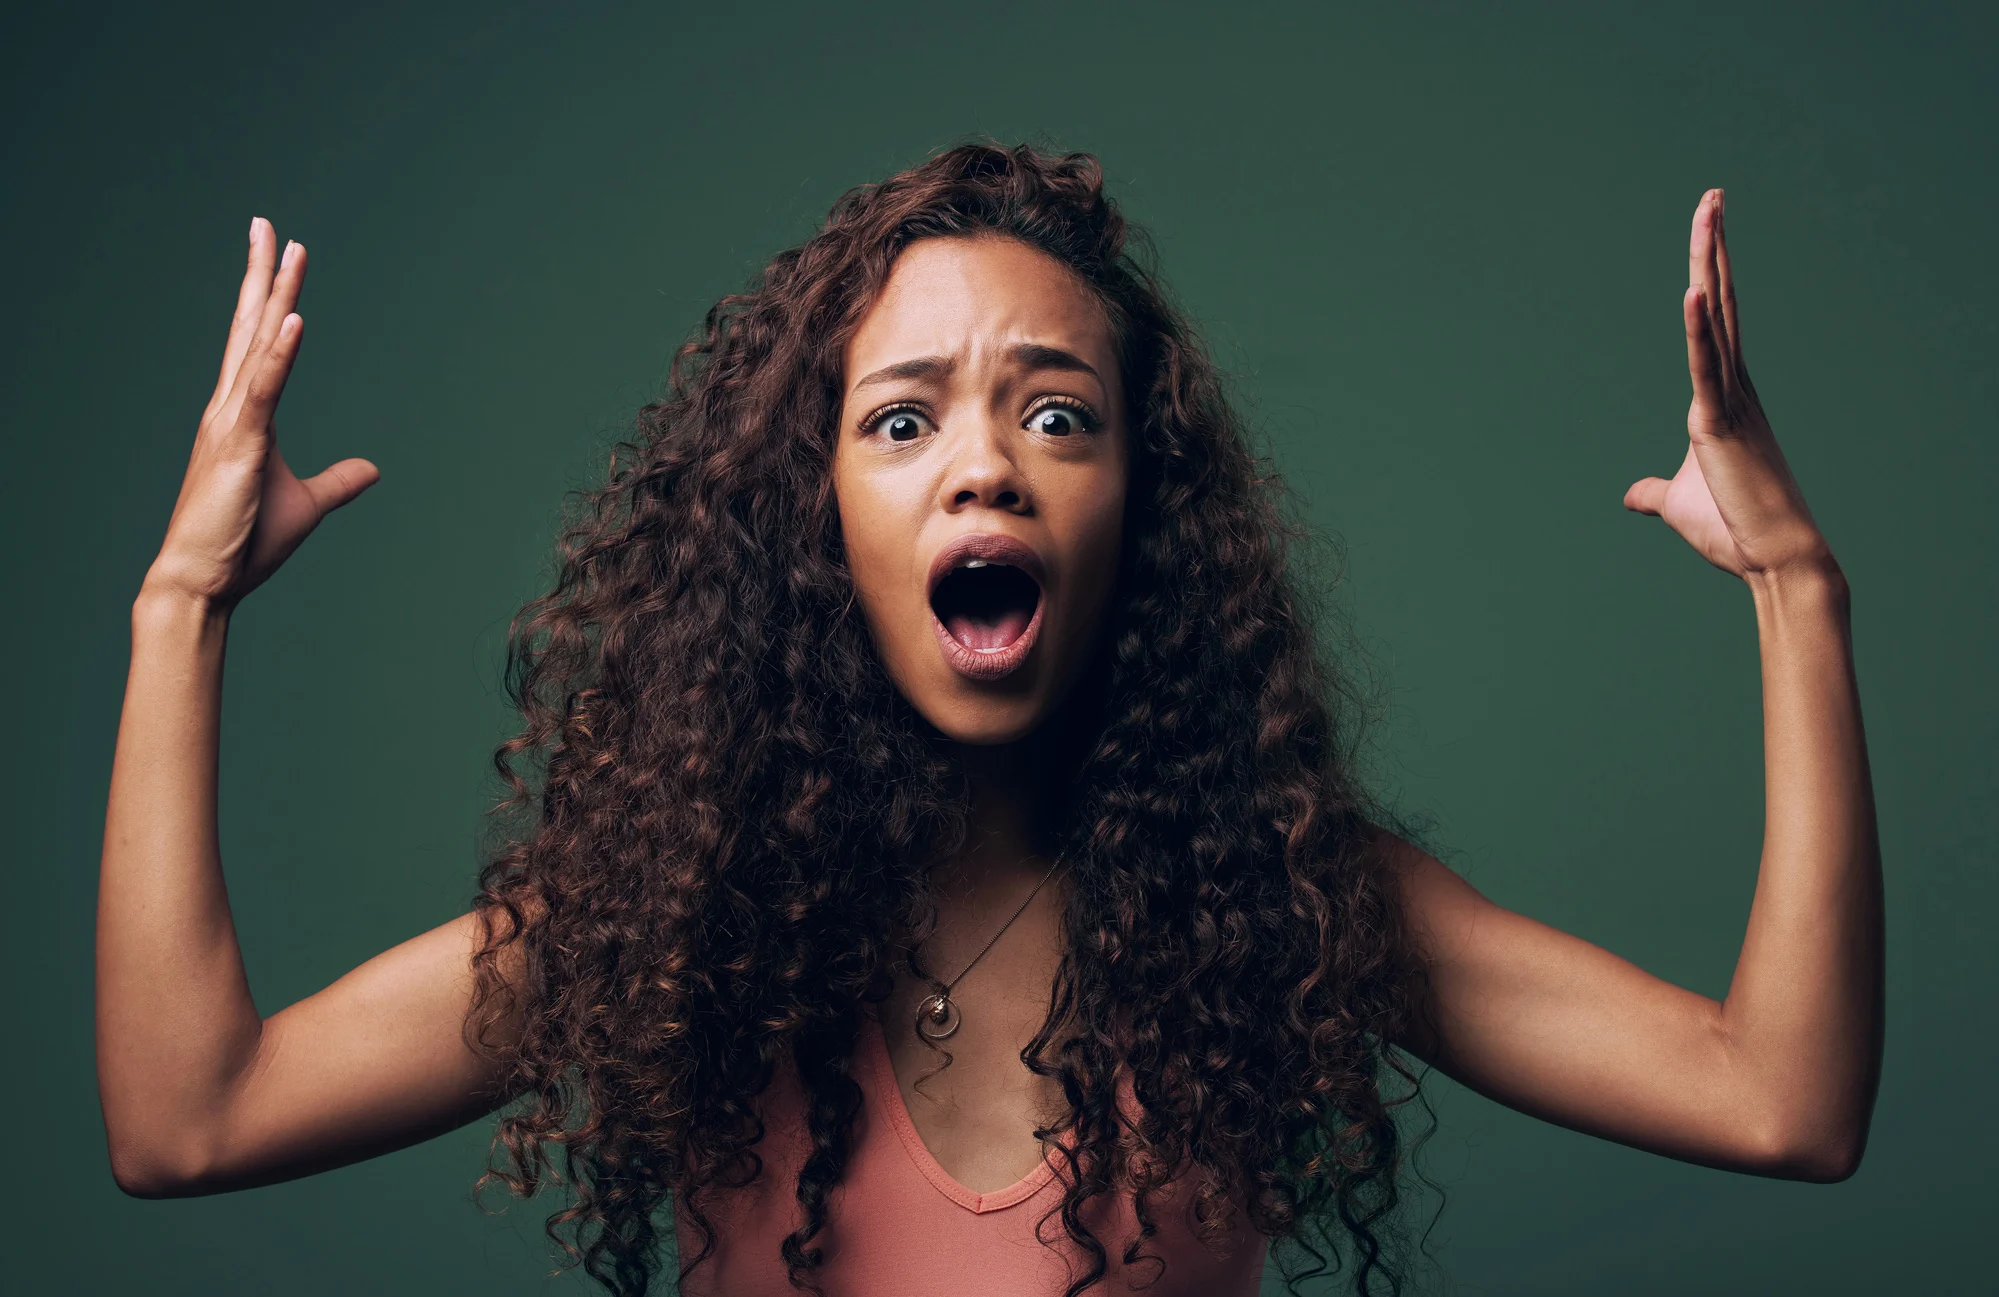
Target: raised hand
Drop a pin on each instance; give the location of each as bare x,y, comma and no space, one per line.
241,510
1734,498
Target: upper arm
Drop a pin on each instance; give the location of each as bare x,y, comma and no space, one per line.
374,1062
1556,1027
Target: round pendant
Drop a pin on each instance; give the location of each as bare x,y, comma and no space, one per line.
937,1017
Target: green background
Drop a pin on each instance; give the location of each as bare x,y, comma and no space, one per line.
1441,249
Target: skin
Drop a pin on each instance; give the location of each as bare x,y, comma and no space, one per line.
1777,1078
979,460
947,346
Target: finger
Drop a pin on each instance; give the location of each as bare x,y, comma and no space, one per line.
1710,283
285,286
338,484
1697,242
250,299
264,373
1730,321
1703,267
277,308
1703,358
1647,495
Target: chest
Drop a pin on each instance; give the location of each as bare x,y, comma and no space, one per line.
898,1222
969,1096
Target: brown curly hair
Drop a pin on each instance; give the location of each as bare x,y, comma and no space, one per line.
722,812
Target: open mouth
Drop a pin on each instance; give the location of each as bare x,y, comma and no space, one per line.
986,606
985,594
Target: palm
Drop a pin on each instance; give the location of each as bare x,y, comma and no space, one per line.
1690,510
286,513
1733,499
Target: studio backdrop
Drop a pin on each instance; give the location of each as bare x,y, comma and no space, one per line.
1440,250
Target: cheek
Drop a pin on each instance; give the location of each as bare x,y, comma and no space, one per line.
878,544
1099,532
1106,541
1107,507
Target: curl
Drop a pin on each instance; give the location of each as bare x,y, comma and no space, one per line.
720,811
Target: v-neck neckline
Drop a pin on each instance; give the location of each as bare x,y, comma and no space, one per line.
876,1047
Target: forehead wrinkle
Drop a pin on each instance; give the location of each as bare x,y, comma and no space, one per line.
1011,354
978,308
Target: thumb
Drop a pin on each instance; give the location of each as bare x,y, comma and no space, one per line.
1647,495
338,484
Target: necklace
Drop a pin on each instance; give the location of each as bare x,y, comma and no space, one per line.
938,1016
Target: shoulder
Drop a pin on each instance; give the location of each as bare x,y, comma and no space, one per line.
1438,905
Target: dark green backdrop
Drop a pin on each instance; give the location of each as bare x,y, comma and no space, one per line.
1442,250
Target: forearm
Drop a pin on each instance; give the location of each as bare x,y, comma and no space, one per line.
175,1020
1803,1015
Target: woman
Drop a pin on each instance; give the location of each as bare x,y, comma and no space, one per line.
938,864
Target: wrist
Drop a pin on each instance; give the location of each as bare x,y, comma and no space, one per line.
165,606
1814,582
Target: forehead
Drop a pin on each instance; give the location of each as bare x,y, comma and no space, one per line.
968,297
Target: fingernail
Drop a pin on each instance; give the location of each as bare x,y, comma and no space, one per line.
255,221
290,248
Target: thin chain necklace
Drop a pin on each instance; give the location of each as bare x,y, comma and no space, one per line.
938,1016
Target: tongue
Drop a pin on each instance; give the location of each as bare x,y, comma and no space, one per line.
989,631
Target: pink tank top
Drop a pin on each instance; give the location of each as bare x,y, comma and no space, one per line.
898,1225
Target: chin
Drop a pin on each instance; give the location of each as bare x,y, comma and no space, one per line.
985,714
984,723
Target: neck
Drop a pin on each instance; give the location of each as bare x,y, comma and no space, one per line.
1002,851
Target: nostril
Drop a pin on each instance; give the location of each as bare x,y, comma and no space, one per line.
1004,500
1001,500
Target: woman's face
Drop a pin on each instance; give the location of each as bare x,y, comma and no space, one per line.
980,471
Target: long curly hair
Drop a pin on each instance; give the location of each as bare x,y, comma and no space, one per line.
722,813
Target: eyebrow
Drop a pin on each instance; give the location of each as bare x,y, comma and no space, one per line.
1028,355
1034,355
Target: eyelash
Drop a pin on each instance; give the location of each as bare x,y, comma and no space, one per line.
1090,419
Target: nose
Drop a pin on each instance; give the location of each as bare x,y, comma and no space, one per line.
982,470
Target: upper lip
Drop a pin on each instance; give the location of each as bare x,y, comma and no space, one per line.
990,546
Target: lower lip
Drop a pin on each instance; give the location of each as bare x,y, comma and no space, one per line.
990,664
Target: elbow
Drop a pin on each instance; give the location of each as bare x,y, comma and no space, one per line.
144,1169
1827,1162
1805,1124
1817,1153
1814,1164
146,1177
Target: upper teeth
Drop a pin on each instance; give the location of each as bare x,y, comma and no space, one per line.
975,562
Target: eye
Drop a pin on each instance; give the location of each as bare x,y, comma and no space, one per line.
1061,416
897,422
